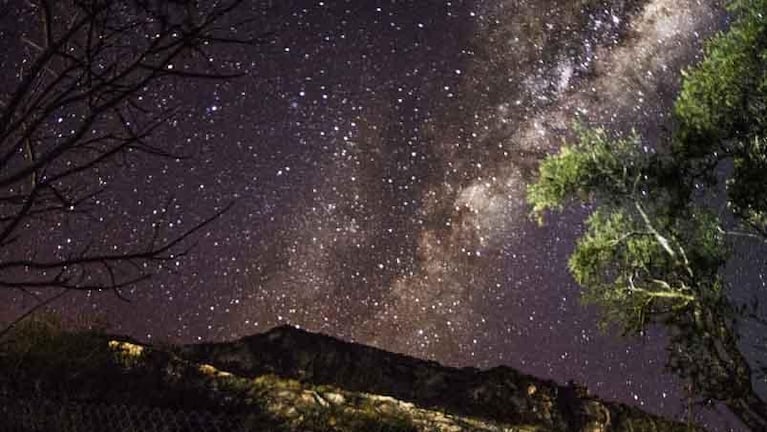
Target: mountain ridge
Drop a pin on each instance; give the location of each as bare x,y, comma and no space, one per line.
500,394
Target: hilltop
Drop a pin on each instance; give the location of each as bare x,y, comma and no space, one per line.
286,379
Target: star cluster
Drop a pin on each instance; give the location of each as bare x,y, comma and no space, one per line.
377,155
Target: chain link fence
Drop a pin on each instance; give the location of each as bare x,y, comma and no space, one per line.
40,414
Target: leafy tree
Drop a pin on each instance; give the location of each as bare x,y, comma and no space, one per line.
656,241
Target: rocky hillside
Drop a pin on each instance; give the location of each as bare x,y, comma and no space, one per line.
285,380
501,395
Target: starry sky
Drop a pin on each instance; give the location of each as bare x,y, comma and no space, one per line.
377,154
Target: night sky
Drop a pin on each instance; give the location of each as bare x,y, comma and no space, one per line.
377,154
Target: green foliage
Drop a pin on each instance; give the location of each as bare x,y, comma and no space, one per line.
722,111
655,243
616,262
724,96
642,247
748,186
594,167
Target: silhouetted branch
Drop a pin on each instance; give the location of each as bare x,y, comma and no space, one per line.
79,108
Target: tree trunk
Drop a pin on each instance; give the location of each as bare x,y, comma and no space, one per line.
751,410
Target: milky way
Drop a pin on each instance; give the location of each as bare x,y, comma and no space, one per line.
377,154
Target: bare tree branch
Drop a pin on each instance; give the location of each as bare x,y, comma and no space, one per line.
79,109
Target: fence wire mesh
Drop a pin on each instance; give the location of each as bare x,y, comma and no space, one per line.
41,414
